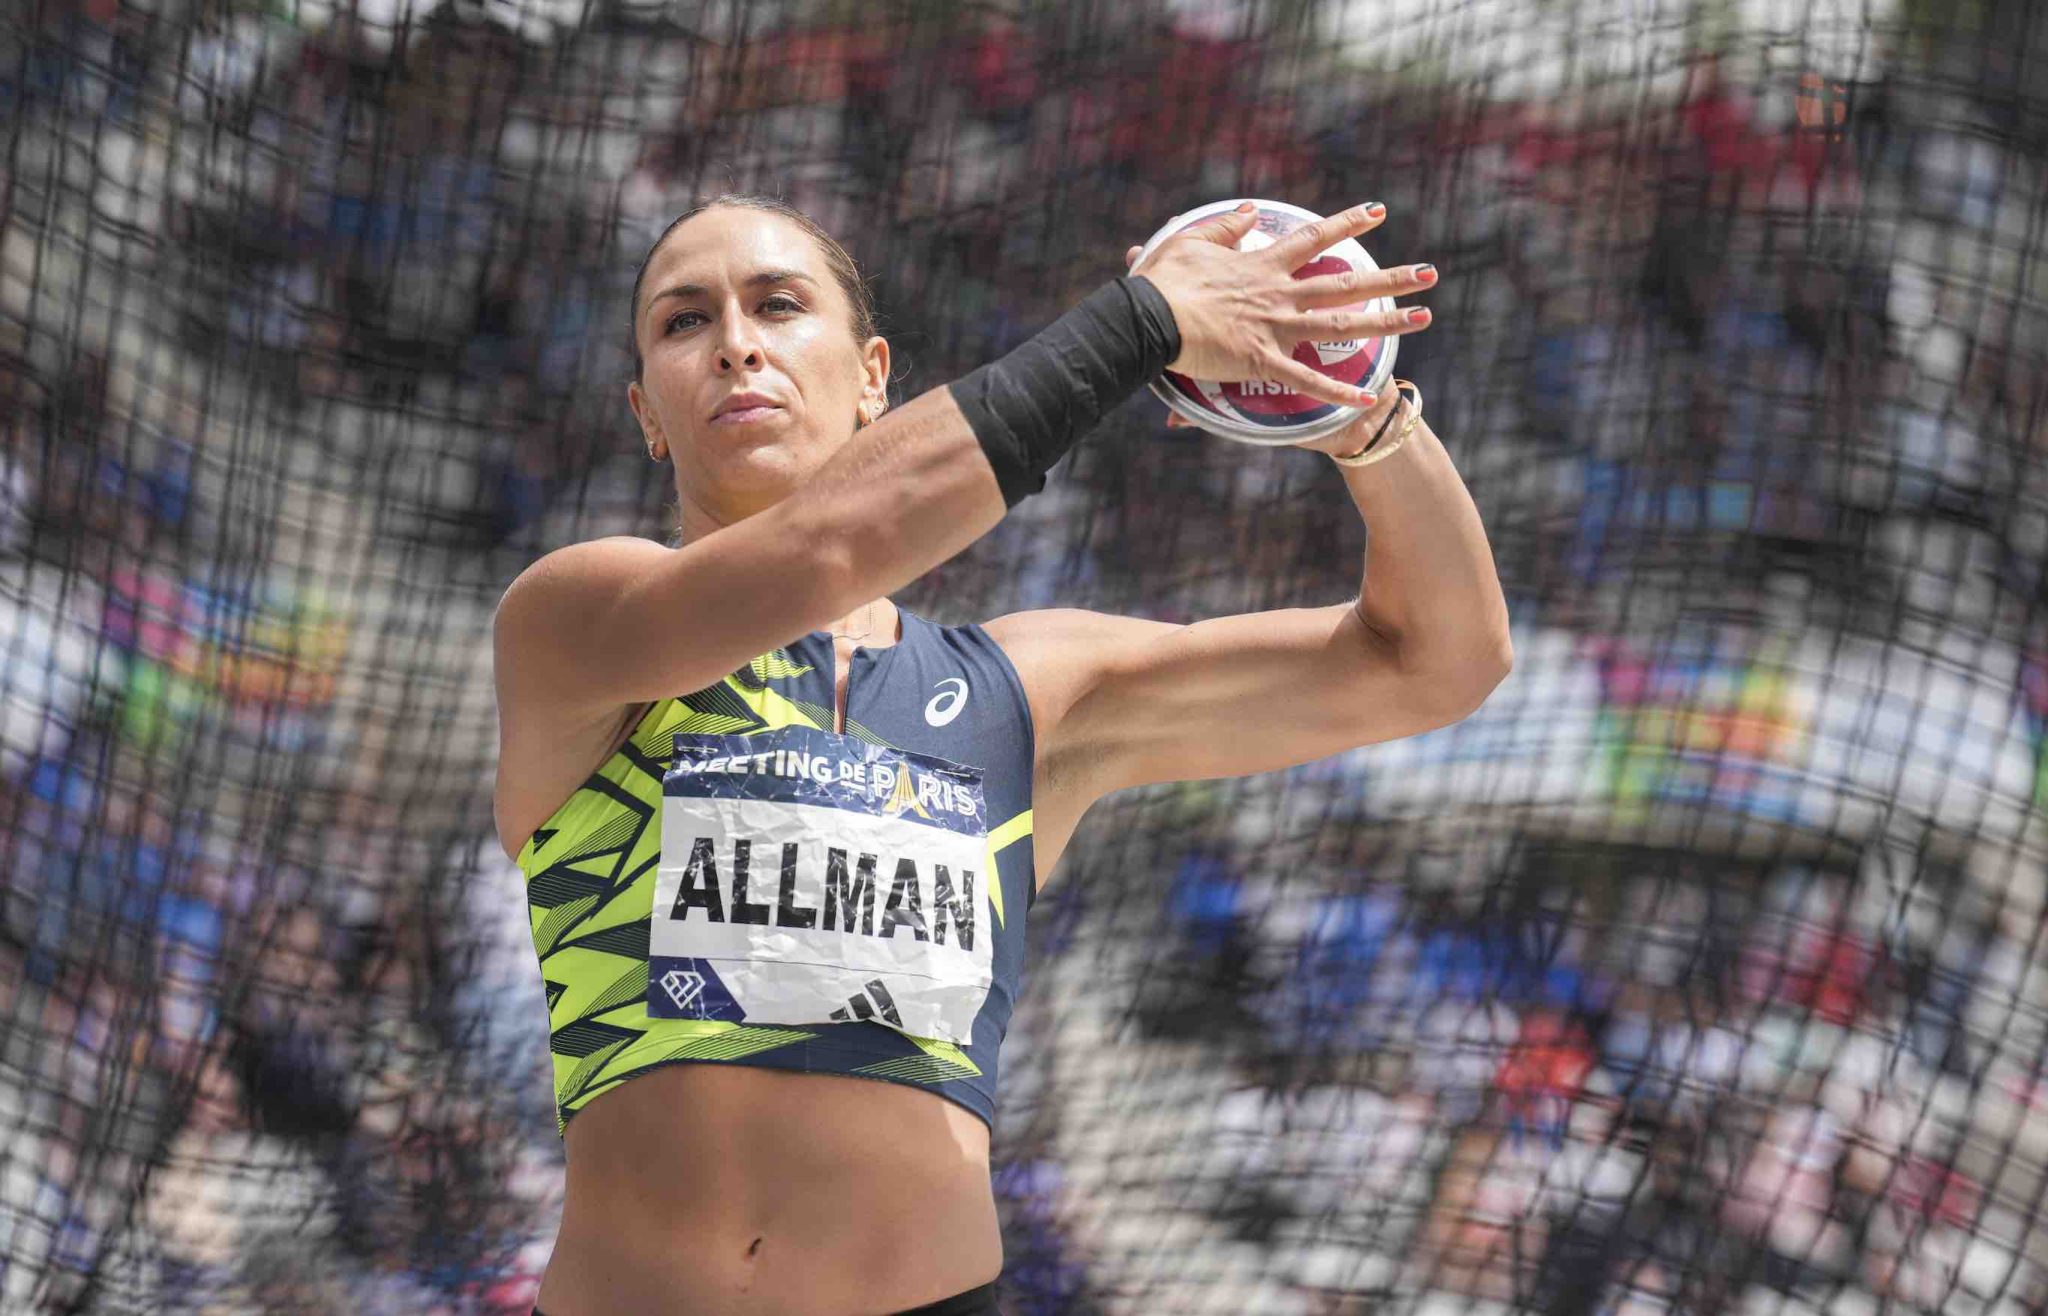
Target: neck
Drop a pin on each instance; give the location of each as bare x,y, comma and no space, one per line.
873,622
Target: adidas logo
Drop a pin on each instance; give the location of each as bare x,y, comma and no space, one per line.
860,1006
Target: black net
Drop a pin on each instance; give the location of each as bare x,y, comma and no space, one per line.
1700,970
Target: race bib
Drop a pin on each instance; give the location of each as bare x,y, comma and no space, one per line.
810,878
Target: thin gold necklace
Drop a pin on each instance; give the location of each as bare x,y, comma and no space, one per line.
868,617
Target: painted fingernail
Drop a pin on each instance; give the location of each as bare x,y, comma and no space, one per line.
1426,273
1244,206
1368,399
1418,315
1375,210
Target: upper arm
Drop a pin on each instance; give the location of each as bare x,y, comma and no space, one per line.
617,621
1124,701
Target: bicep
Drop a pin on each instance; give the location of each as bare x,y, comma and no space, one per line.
620,621
1134,702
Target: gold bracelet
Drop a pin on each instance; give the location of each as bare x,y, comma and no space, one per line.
1371,453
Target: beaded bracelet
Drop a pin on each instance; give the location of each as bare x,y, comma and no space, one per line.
1372,452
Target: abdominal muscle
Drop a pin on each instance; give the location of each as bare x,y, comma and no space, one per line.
717,1190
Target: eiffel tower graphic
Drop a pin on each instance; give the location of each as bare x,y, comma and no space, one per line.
903,798
860,1006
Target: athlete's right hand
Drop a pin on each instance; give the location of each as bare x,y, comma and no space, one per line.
1241,313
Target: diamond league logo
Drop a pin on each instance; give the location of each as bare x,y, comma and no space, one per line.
683,986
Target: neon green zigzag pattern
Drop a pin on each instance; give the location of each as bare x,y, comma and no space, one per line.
604,1037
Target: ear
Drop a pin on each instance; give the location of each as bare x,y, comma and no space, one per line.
874,388
650,425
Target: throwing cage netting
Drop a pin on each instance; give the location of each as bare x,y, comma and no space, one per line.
1701,970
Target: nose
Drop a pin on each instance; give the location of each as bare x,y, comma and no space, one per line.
739,344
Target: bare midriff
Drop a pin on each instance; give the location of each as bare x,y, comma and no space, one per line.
719,1190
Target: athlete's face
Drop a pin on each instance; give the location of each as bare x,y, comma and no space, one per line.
751,375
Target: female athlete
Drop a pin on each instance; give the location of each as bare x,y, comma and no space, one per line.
781,836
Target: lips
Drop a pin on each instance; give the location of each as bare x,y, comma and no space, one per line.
743,403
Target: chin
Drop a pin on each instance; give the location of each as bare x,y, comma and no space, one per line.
762,440
762,461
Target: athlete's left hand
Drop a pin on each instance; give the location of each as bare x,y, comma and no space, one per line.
1398,281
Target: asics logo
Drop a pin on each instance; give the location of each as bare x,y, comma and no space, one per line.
946,705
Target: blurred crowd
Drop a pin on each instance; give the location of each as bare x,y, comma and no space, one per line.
313,331
1697,1087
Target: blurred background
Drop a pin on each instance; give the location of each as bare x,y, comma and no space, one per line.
1701,970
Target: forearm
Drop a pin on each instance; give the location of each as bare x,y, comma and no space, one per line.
905,494
1430,584
913,494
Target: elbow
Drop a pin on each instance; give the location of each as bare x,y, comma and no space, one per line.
1503,661
1495,670
1468,684
1490,670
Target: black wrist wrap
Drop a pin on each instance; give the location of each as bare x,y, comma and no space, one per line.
1028,408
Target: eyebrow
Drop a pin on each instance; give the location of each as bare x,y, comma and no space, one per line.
758,279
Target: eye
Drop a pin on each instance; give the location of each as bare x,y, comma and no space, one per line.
781,303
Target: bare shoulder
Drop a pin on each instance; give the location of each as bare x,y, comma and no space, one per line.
1058,627
1058,652
1048,623
575,572
552,731
562,594
1065,640
1022,633
1036,642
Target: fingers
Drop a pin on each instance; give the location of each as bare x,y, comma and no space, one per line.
1336,326
1319,386
1131,258
1354,286
1225,229
1310,240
